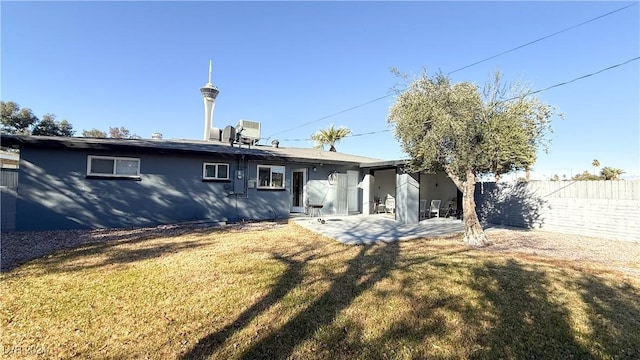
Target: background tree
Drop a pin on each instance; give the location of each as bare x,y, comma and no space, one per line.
611,173
48,126
121,133
24,122
16,120
595,165
330,136
468,133
585,176
94,133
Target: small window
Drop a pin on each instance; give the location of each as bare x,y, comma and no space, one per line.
111,166
212,171
270,177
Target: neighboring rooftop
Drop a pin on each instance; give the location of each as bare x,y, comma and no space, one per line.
162,146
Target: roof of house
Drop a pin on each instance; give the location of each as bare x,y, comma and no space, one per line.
166,146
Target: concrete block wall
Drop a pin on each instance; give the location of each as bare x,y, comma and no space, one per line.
606,218
600,209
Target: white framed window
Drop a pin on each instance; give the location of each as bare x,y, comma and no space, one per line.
270,177
113,166
215,171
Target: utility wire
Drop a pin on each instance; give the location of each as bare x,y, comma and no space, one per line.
585,76
575,79
462,68
514,98
332,115
351,135
542,38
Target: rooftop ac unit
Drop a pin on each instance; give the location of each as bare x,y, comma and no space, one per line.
215,134
251,131
229,134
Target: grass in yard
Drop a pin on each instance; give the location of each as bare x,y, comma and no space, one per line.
284,292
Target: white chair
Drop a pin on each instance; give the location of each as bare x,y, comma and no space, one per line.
423,209
435,208
390,204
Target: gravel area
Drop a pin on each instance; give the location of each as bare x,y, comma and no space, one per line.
583,251
623,256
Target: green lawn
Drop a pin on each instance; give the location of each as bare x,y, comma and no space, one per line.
284,292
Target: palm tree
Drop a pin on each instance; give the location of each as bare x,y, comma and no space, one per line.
609,173
330,136
595,164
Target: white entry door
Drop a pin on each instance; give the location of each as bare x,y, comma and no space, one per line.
298,190
352,191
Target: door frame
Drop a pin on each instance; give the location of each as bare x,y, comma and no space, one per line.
299,209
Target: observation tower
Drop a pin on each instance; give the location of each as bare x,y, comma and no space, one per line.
209,93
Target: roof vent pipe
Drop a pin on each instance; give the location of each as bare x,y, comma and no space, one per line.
275,143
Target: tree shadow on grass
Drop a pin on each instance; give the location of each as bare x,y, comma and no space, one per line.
288,280
372,264
526,322
613,310
81,250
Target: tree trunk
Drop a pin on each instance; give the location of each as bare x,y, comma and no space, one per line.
473,233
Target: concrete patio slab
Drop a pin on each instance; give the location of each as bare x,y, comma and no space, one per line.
368,229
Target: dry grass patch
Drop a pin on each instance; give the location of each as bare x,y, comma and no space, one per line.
281,291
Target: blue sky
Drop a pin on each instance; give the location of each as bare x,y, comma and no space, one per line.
141,64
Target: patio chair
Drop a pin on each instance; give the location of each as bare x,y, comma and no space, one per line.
435,208
452,210
423,209
390,204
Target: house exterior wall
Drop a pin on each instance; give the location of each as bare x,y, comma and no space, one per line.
407,199
333,196
55,193
8,208
384,183
437,186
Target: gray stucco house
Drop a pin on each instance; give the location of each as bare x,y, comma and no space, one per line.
70,183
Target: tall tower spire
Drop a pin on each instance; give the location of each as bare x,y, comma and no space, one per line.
209,93
209,72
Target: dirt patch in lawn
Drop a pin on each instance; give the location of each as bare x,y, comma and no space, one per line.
579,251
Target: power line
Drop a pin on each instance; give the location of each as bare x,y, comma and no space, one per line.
332,115
351,135
514,98
462,68
542,38
585,76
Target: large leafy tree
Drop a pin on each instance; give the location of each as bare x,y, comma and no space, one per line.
330,136
469,132
23,122
16,120
49,126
